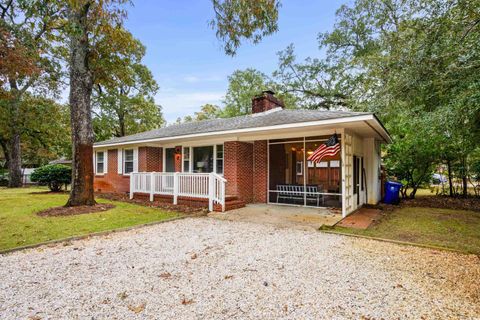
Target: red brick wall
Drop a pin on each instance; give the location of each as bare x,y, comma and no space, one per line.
260,171
238,169
150,159
111,181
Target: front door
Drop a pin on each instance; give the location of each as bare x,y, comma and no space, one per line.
169,159
358,177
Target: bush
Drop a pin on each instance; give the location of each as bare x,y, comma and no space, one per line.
53,176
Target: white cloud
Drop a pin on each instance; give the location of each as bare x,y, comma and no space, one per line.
196,79
182,104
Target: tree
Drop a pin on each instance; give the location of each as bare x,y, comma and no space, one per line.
396,58
243,85
44,129
123,102
92,24
207,112
312,82
413,156
238,20
27,64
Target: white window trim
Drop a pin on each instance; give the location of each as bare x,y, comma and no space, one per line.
105,162
190,167
119,160
215,159
135,160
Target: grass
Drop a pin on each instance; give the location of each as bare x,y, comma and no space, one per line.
454,229
20,226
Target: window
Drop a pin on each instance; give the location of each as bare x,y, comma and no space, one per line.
186,159
219,164
100,162
203,159
128,161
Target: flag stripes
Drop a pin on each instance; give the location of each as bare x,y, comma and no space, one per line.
329,148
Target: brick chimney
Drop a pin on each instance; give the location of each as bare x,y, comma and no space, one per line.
266,101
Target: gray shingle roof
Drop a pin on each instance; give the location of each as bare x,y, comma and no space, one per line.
242,122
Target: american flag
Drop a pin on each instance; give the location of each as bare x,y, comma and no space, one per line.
329,148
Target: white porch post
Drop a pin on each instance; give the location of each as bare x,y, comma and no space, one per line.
342,146
152,185
131,185
175,188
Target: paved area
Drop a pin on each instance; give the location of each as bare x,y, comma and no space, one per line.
205,268
283,216
361,219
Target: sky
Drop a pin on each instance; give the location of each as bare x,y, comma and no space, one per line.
188,62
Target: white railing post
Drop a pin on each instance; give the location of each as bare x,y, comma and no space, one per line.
222,195
152,185
211,191
175,187
131,185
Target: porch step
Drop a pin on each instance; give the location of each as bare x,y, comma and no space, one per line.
233,203
230,198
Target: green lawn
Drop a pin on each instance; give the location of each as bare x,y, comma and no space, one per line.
455,229
19,224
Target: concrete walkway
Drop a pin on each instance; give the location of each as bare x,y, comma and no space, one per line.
361,219
283,216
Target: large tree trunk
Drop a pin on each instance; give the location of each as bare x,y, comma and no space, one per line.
15,162
81,84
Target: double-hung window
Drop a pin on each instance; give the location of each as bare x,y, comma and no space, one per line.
127,161
219,159
186,159
100,162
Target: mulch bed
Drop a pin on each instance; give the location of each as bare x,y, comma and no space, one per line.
154,204
441,202
444,202
71,211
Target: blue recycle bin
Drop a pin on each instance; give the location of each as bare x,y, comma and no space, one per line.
392,190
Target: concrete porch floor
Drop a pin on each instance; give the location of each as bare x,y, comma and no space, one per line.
283,216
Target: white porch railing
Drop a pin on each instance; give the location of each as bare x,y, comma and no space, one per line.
209,186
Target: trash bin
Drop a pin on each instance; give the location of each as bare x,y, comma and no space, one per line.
392,190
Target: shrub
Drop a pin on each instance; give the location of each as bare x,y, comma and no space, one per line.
53,176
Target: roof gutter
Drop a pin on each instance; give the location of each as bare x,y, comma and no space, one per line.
255,129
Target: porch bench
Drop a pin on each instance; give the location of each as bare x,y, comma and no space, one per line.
296,192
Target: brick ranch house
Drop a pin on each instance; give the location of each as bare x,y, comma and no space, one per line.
257,158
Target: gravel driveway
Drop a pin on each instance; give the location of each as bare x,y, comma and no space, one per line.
202,268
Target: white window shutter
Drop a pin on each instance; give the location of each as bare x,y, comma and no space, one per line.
94,162
119,160
105,161
135,160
